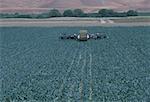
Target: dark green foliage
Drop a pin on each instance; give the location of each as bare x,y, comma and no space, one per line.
24,16
132,13
106,13
68,13
78,13
54,13
17,15
111,13
43,15
120,14
7,99
93,15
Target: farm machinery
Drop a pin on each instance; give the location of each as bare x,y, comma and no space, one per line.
83,36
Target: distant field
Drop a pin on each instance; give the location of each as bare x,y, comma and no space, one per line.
132,19
77,22
38,67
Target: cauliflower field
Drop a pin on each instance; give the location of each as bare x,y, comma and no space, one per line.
38,67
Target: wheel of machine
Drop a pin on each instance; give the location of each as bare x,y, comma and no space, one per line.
104,37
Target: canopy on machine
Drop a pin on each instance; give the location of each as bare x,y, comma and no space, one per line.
83,35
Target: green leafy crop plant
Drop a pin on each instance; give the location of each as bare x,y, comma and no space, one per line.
38,67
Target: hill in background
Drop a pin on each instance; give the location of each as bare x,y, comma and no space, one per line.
86,5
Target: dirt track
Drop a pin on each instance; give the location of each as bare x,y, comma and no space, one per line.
71,22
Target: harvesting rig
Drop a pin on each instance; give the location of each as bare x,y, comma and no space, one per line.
83,36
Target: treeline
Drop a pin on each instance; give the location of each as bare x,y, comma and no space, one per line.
72,13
